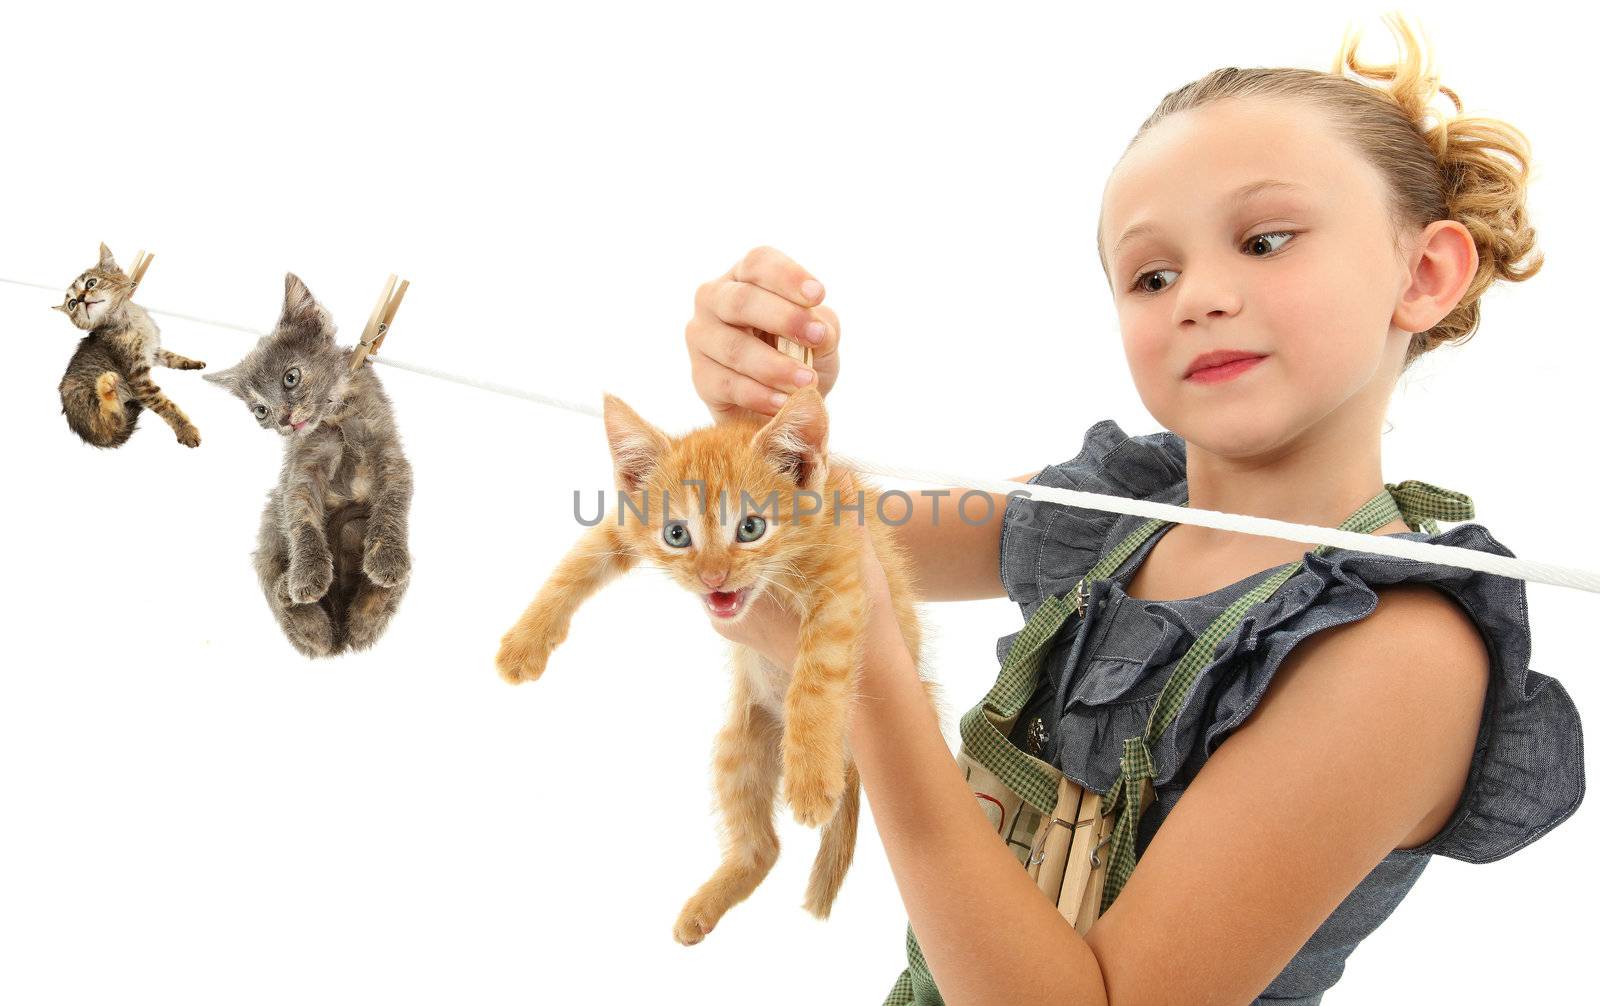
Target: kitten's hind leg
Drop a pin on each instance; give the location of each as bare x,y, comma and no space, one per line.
369,613
151,397
170,359
746,767
837,850
306,626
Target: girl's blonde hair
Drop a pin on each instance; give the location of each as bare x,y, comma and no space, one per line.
1444,169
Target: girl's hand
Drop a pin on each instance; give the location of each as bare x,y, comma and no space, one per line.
767,627
738,316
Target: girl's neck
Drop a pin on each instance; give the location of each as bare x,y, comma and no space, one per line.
1322,483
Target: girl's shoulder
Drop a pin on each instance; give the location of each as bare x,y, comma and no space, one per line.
1106,687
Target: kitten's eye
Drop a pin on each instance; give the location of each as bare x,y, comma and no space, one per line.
72,302
752,527
291,378
676,534
89,285
260,411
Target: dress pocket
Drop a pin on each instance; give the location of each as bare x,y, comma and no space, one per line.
1125,651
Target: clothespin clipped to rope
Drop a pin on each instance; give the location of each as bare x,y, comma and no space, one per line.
378,324
141,262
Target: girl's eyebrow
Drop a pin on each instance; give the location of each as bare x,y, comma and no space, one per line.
1242,194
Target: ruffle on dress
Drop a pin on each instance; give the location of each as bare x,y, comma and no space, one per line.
1527,769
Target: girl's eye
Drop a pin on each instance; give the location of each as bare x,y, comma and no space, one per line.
1250,241
676,535
752,527
291,378
260,411
1138,281
89,285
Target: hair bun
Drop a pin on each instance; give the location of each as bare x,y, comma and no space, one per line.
1484,169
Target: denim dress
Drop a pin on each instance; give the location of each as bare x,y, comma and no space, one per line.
1527,768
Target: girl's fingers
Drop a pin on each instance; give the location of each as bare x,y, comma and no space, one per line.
777,273
727,391
739,303
749,354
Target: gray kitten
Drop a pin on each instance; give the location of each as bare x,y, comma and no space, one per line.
332,552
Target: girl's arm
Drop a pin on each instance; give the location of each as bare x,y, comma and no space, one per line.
1363,736
954,558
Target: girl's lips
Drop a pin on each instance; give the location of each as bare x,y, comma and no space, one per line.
1225,372
726,603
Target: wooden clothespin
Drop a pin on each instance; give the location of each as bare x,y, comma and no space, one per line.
141,262
378,324
794,349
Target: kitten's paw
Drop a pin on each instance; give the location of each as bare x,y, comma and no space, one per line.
188,436
309,580
386,562
518,662
813,796
695,922
194,365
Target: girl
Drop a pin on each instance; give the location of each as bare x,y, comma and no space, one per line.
1369,714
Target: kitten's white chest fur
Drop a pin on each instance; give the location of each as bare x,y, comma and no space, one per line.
767,684
142,337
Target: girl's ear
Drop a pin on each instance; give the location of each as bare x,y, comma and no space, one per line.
301,310
795,441
636,446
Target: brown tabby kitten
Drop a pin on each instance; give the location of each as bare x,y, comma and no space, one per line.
752,524
332,555
107,383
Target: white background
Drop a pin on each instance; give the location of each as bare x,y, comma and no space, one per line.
192,813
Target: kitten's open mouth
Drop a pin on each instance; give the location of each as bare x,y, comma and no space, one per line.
726,603
300,425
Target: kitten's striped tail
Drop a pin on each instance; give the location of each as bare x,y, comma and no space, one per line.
96,412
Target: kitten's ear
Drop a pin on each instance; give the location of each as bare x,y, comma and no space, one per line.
636,446
229,378
106,261
795,441
301,310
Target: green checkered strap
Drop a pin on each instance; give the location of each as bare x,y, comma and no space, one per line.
985,726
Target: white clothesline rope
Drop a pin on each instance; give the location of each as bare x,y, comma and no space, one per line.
1446,555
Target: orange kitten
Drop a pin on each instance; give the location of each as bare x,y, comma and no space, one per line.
749,507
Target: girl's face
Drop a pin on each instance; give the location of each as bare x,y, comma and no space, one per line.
1202,256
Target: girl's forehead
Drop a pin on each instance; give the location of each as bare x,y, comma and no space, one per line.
1206,153
1169,185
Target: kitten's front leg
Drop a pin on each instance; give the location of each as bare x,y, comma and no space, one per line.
310,560
818,701
599,557
385,557
167,358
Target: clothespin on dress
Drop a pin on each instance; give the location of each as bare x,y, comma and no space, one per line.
378,324
141,262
